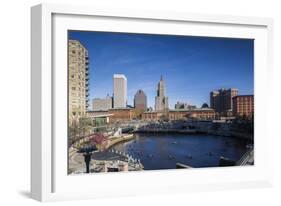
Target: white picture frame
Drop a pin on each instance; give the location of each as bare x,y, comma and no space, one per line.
49,179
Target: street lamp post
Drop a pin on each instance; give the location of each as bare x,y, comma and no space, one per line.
87,153
87,158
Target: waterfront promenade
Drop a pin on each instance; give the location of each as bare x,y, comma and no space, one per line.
115,140
195,127
104,159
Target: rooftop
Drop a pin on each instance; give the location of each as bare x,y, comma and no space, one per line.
102,115
245,95
119,76
121,108
190,110
185,110
96,111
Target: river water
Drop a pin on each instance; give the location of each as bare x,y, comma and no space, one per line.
163,151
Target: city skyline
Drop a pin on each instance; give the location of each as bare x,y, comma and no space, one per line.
143,58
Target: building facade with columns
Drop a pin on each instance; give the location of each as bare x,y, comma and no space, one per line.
102,104
181,114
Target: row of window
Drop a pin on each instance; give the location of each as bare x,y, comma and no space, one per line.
81,89
75,103
243,106
79,113
79,77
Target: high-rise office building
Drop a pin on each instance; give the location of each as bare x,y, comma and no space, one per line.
214,100
78,75
140,100
221,100
104,104
161,101
119,91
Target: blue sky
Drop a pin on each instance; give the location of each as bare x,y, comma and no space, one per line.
191,66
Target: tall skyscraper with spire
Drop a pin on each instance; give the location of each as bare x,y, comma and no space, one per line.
161,101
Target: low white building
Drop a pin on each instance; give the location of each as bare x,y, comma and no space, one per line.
104,104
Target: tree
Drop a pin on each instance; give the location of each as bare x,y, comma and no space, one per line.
138,113
80,129
99,140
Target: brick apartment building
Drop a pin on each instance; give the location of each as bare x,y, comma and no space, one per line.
243,105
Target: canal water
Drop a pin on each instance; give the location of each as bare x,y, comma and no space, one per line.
163,151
